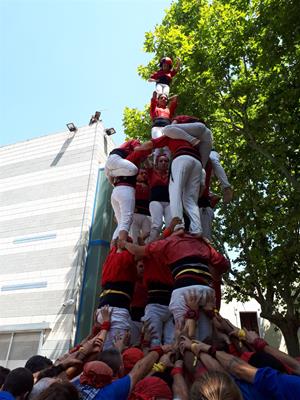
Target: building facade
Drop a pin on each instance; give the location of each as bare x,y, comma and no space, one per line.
47,196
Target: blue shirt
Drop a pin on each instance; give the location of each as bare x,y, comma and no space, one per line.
275,385
117,390
6,396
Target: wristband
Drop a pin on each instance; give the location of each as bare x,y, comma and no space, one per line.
177,371
105,326
259,344
158,367
192,314
193,346
241,334
158,350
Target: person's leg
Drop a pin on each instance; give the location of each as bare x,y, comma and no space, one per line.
190,194
169,329
120,324
118,166
218,169
165,89
177,182
159,88
167,213
156,211
117,211
135,228
126,204
156,132
206,216
153,317
145,225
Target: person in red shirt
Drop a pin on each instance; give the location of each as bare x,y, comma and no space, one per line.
194,264
164,76
123,194
119,275
159,282
194,131
141,223
161,112
117,163
158,177
185,179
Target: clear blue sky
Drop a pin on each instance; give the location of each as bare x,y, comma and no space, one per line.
61,60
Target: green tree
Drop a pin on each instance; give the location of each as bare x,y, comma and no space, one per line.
241,73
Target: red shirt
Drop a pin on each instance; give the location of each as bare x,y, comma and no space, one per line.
157,112
119,267
142,191
156,179
140,295
136,157
173,144
164,76
167,251
130,145
154,273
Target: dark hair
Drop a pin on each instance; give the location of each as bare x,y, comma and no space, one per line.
262,359
18,382
112,358
38,363
215,385
3,374
59,391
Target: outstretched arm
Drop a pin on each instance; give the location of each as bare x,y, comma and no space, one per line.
135,249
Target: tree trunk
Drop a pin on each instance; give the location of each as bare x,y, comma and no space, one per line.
290,333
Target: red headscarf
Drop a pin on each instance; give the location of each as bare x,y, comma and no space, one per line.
130,357
149,388
96,374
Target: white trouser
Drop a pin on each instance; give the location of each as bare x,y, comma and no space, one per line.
159,210
218,169
120,322
140,226
123,203
162,88
156,132
179,308
161,319
207,216
118,166
192,133
184,186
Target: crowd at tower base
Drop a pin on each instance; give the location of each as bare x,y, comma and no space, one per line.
157,332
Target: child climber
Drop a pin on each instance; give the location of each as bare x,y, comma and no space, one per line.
164,76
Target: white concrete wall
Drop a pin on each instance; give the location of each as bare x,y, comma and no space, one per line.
47,190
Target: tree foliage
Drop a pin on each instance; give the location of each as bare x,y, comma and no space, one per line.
241,73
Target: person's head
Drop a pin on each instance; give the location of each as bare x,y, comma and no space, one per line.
140,268
142,176
166,64
59,391
38,363
130,357
3,374
215,385
113,359
162,101
151,388
96,374
162,162
18,382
